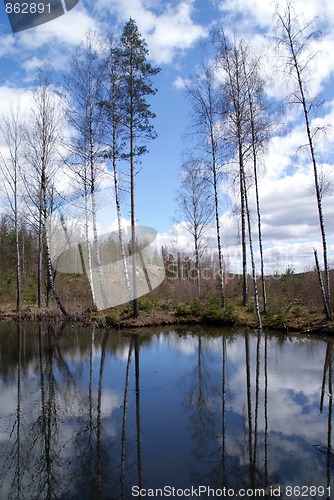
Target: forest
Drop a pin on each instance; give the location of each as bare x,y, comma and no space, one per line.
95,129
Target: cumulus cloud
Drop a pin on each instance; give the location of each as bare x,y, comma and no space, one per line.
7,47
12,97
67,30
248,11
175,237
255,14
255,22
180,83
167,28
52,42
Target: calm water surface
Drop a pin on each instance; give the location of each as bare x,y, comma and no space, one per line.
92,415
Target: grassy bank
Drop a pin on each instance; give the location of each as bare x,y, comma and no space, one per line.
294,304
153,313
294,318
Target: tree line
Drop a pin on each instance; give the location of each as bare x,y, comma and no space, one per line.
100,122
100,117
231,125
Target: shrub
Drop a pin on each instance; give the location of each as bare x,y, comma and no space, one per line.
196,308
297,311
165,306
230,314
276,321
145,305
213,315
31,294
250,308
111,319
182,310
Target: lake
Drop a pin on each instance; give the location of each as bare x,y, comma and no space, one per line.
188,412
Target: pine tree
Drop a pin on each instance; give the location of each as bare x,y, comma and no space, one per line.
136,87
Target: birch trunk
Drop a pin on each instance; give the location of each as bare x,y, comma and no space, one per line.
321,283
47,247
256,295
219,246
117,196
40,255
243,196
93,203
89,250
124,421
120,235
296,41
258,210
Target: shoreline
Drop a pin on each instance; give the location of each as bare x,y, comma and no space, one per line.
312,324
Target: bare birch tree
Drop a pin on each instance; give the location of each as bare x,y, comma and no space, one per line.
246,127
294,40
42,141
112,105
236,124
261,126
251,249
10,166
83,94
202,91
195,203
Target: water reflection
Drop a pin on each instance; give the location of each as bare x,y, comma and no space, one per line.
91,414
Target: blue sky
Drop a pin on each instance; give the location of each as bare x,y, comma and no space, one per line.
175,32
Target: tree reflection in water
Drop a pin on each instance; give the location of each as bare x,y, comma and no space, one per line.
327,374
230,459
197,407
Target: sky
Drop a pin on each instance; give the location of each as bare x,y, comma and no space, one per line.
177,32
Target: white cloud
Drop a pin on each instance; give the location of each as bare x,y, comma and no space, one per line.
180,83
167,28
286,414
187,346
177,237
174,31
254,21
255,14
12,97
167,32
249,11
69,29
50,42
7,46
